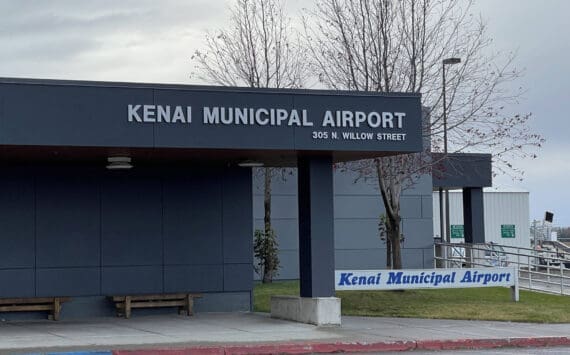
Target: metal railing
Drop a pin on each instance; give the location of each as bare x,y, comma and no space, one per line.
543,270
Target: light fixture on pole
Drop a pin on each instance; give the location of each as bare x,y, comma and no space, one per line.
447,61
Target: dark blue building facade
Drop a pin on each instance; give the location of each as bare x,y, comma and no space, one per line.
87,232
181,220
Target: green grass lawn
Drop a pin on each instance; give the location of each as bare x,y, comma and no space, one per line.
475,303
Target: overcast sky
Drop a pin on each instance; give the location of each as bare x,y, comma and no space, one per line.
539,31
152,41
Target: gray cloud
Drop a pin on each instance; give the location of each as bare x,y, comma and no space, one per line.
539,33
61,31
152,40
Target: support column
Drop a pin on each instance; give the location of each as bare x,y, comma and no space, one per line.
316,226
473,215
316,304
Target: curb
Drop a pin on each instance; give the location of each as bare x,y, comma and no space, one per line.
340,347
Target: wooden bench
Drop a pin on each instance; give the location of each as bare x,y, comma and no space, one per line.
184,302
51,304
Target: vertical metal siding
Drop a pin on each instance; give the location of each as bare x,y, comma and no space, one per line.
500,208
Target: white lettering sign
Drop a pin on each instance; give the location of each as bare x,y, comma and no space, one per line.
258,116
159,114
265,117
334,125
362,119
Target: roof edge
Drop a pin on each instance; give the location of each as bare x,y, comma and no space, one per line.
191,87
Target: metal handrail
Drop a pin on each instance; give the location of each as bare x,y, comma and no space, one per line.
534,274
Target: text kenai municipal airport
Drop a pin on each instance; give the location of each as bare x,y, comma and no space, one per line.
245,116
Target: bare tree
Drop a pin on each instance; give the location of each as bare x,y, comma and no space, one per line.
257,50
398,46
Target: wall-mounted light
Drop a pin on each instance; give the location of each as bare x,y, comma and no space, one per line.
250,164
118,163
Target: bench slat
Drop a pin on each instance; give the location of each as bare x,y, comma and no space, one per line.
30,304
38,300
29,307
157,297
185,302
152,304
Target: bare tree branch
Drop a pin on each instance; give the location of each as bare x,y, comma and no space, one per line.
257,50
384,45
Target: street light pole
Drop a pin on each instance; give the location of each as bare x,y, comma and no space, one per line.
447,61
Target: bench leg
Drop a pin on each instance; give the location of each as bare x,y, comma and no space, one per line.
128,307
120,311
189,305
56,308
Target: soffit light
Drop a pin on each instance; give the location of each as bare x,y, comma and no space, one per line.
250,164
118,163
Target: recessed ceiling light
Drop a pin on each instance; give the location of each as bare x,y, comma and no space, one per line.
118,163
250,164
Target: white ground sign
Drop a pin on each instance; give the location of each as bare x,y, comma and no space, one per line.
430,278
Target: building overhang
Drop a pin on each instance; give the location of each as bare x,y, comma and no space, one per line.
59,121
462,170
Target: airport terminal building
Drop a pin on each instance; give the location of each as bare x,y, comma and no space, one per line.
124,189
114,189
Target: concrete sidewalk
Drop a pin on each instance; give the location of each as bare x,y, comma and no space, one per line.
256,333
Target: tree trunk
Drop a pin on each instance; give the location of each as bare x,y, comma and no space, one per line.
267,272
267,200
390,192
396,250
388,252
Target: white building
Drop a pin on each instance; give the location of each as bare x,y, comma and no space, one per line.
506,211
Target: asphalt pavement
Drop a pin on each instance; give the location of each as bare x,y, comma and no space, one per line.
257,333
